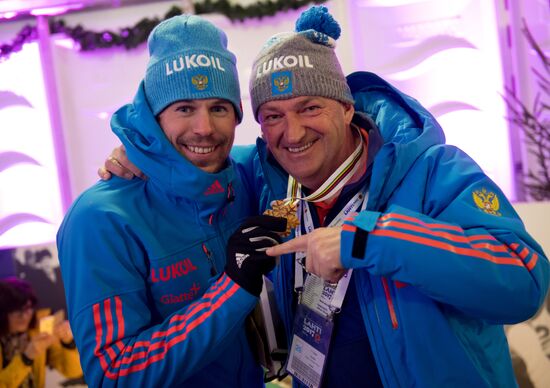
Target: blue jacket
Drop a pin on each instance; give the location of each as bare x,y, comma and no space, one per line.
142,264
447,260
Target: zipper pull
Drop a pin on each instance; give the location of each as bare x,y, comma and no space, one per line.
230,193
208,254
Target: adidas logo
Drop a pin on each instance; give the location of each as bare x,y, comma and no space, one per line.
215,188
241,257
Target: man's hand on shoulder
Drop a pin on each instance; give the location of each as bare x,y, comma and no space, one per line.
118,164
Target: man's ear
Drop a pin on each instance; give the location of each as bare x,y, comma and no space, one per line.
237,113
349,111
262,135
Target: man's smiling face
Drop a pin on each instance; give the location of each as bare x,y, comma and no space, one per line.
201,130
309,136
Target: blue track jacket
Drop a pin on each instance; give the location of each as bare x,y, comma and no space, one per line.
447,260
142,264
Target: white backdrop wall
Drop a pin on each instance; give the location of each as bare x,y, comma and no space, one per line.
521,61
30,197
447,54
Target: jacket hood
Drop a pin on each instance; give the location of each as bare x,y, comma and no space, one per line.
407,129
151,151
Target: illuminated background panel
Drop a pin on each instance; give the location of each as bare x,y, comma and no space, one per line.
446,55
30,205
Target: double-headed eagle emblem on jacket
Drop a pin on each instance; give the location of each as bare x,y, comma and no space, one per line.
487,201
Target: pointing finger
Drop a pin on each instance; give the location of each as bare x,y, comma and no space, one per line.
298,244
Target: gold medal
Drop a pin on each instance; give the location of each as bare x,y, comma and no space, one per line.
285,209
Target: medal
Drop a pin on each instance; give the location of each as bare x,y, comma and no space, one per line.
285,209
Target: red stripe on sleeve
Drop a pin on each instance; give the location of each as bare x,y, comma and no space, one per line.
416,220
452,237
108,320
511,260
197,306
524,253
349,228
98,335
166,345
98,328
110,329
119,317
531,264
206,308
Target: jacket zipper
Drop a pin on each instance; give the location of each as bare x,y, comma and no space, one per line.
389,301
378,348
230,198
208,254
230,193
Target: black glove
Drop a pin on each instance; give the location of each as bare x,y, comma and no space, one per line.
247,261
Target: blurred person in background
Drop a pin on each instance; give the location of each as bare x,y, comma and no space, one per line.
24,350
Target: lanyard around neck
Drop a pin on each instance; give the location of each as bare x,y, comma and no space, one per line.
313,286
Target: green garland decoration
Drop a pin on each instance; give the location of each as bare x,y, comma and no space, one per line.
131,37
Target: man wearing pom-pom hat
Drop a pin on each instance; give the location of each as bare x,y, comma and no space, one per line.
423,257
408,259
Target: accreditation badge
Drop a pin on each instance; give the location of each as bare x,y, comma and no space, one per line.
310,344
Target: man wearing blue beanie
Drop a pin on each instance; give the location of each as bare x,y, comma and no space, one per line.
407,258
143,261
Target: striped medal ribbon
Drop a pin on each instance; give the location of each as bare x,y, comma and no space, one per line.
333,184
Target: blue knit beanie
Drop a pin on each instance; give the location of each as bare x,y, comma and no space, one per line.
189,60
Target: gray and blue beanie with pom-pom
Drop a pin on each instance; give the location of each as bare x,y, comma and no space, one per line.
300,63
